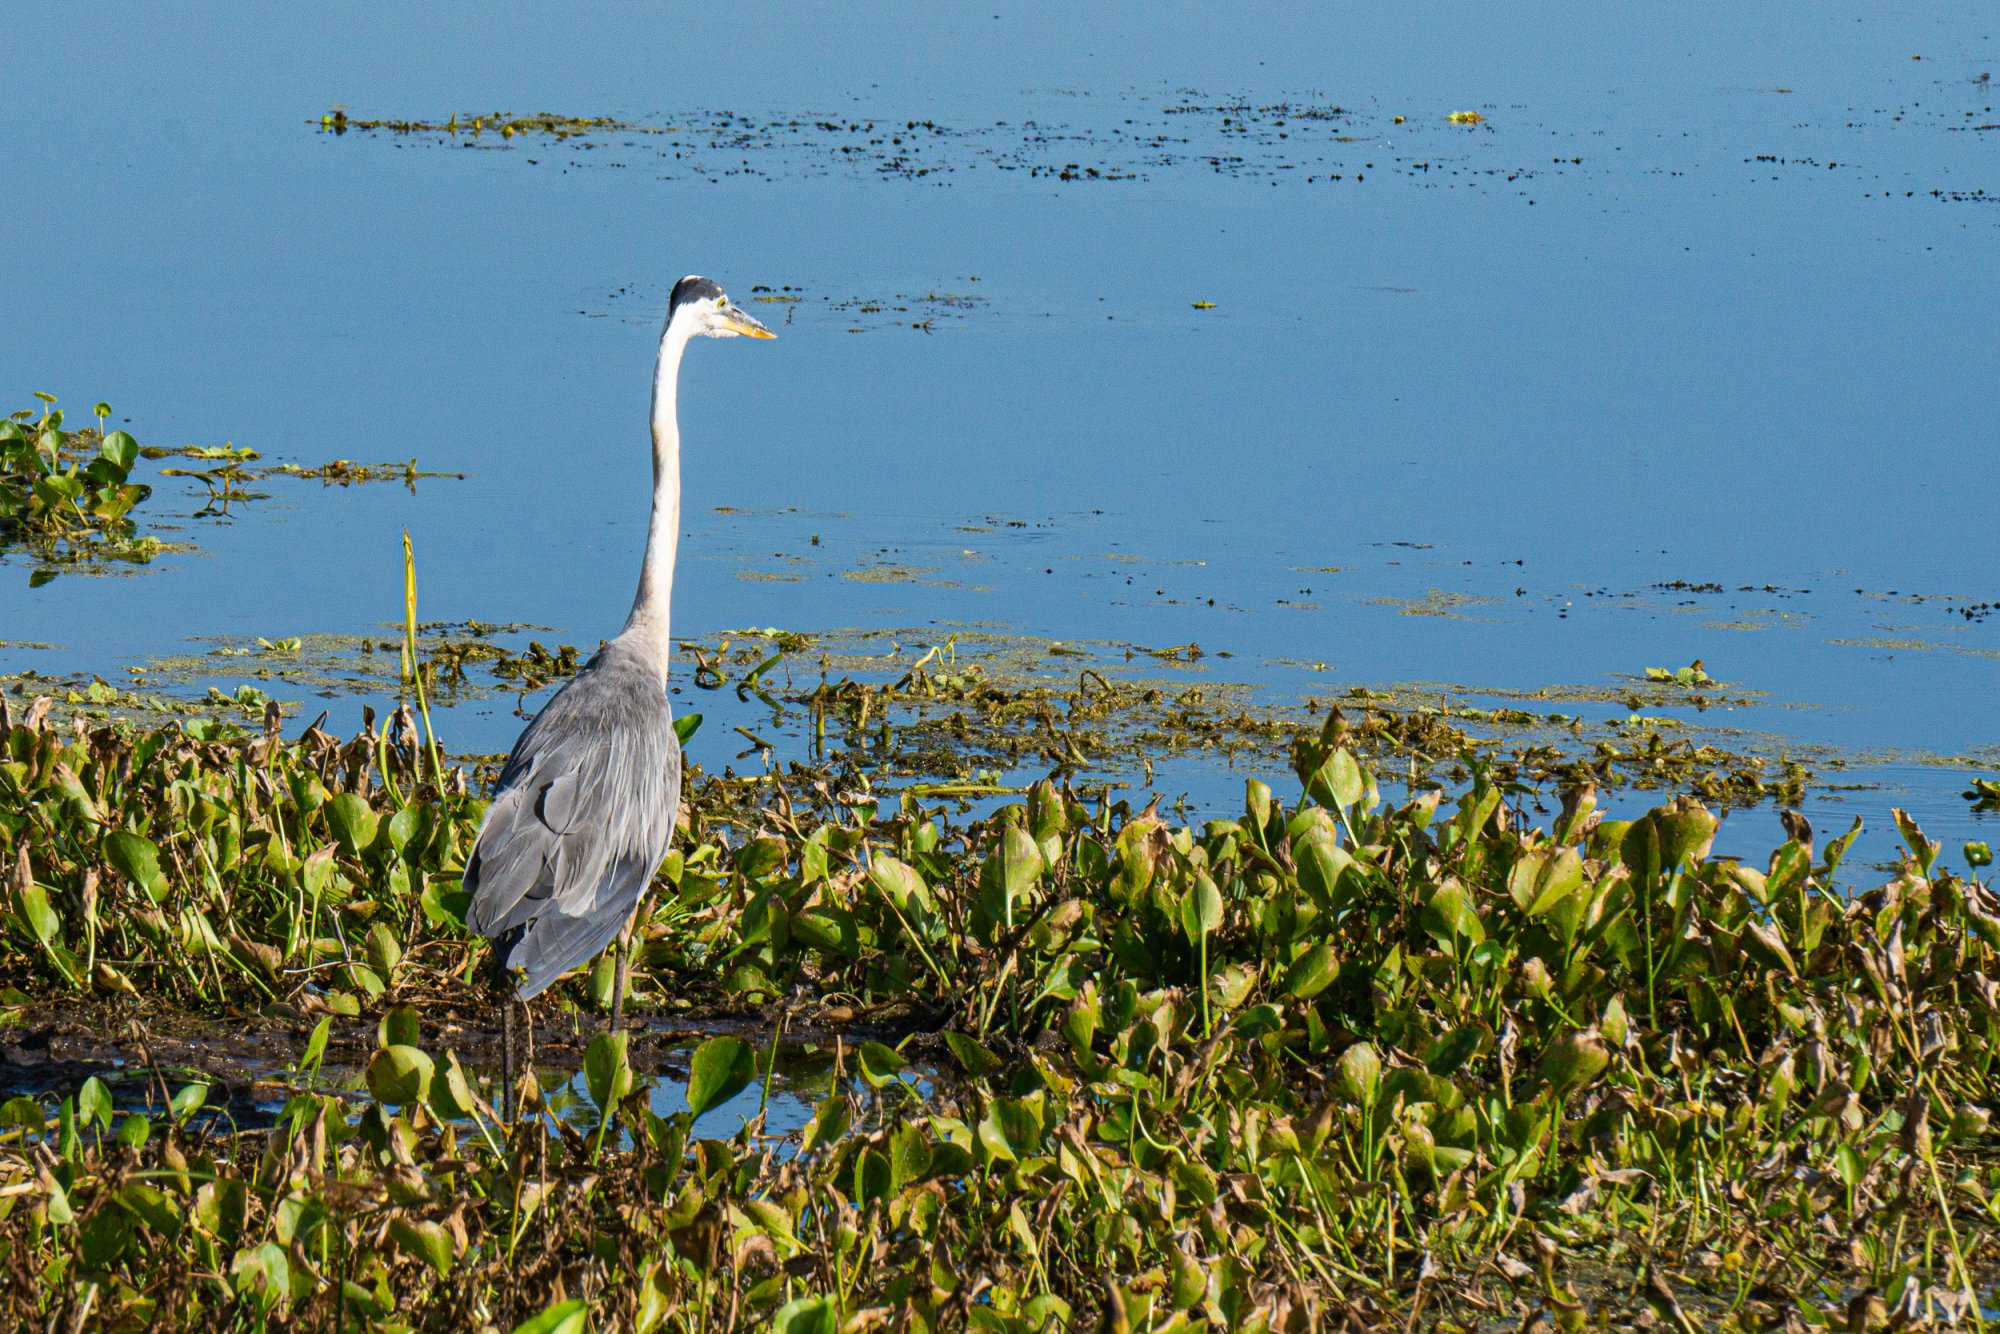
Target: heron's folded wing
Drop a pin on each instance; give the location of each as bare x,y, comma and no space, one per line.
584,815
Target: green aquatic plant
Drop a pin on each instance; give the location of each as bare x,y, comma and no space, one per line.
1398,1060
65,495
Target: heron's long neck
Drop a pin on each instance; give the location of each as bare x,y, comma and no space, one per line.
648,623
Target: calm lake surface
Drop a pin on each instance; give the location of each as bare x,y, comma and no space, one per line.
1685,350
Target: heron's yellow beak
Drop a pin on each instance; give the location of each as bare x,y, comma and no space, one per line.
742,323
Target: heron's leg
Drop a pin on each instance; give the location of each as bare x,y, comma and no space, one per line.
507,1090
621,975
528,1022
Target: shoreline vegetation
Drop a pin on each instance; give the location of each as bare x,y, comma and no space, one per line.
1341,1061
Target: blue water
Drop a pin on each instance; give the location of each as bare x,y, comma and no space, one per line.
1707,296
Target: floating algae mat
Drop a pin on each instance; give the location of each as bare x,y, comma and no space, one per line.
976,713
1337,1058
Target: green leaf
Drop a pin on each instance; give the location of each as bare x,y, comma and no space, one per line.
384,951
1358,1073
607,1071
686,726
1451,915
1312,972
121,449
451,1091
93,1103
720,1069
190,1099
400,1027
1201,910
1339,781
899,883
138,858
880,1064
426,1241
1009,872
352,822
972,1057
400,1075
316,1046
828,1124
562,1318
33,902
909,1157
1448,1055
806,1315
262,1275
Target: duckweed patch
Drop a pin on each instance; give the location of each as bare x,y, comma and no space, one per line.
1342,1059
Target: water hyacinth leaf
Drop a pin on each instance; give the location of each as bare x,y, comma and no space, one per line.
1449,1053
806,1315
1540,880
400,1075
720,1069
221,1207
351,822
93,1103
153,1207
899,883
190,1099
565,1317
880,1064
909,1156
1686,833
121,449
1451,916
1312,972
1009,872
400,1027
262,1276
607,1070
1358,1073
451,1090
31,901
423,1240
316,1046
1574,1060
974,1059
1338,781
1201,910
22,1112
1011,1130
1322,864
138,859
828,1124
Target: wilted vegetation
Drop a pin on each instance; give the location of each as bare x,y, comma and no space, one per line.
1392,1062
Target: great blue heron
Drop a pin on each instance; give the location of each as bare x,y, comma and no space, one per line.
584,810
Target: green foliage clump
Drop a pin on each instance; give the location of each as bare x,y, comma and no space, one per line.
65,494
1338,1059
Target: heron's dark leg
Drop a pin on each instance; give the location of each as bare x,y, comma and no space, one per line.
528,1021
507,1090
622,974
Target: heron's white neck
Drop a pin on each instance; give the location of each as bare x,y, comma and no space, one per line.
648,623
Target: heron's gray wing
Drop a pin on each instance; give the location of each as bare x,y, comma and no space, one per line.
580,819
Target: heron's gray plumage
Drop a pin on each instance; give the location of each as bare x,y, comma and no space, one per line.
581,818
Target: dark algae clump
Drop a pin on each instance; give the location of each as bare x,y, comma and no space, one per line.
1344,1060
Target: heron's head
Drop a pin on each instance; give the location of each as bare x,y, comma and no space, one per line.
704,309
